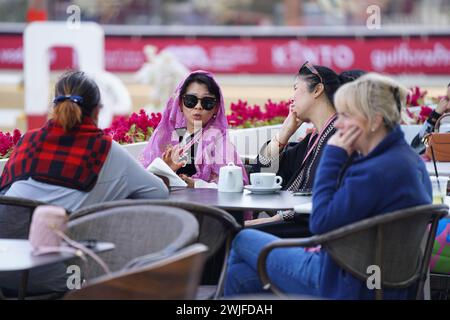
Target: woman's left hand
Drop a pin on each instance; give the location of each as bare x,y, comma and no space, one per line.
190,182
346,140
254,222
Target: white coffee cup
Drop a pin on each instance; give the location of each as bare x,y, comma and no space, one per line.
265,180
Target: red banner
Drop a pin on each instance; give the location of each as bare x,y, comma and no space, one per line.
261,55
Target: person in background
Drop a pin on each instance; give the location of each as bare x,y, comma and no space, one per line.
366,169
192,136
443,107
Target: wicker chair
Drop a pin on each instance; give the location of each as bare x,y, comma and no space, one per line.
15,216
217,228
136,231
175,277
440,286
399,242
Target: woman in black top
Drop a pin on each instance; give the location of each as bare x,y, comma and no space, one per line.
297,162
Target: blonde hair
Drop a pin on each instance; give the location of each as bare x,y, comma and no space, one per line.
374,94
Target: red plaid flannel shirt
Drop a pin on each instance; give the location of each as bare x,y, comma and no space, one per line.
51,155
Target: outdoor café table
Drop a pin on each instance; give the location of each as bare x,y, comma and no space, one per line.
16,255
238,202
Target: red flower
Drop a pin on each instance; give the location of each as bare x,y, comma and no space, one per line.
425,112
245,116
415,97
137,128
7,142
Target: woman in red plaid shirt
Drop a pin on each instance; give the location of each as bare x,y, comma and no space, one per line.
70,162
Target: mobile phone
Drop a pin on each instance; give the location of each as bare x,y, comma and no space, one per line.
305,194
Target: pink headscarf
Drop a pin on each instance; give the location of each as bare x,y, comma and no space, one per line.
214,148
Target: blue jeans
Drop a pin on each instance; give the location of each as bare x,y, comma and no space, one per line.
292,270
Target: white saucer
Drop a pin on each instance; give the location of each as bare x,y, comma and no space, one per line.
262,190
303,208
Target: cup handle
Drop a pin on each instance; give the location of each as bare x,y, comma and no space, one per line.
278,180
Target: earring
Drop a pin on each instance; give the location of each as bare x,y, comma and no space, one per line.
373,129
214,115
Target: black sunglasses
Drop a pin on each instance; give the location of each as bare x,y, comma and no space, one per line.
311,69
207,103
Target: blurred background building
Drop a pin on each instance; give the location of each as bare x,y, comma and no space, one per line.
235,12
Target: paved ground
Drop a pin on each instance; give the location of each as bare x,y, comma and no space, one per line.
253,88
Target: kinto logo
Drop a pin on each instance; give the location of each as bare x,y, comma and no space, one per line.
374,280
74,20
374,19
74,280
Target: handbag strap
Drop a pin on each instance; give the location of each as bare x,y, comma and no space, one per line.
73,247
438,122
83,250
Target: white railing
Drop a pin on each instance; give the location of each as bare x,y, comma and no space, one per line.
249,141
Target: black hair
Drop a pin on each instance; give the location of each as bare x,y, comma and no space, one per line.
330,79
350,75
202,78
67,112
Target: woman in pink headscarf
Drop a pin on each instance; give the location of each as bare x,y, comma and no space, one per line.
192,135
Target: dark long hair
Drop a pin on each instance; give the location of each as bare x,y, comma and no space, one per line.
202,78
350,75
330,79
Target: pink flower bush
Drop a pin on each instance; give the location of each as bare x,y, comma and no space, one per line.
421,117
246,116
136,128
7,142
414,99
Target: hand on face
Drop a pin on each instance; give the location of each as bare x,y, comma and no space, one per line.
292,121
443,106
346,140
290,125
171,156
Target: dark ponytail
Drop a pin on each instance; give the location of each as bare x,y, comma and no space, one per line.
67,114
76,97
330,79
